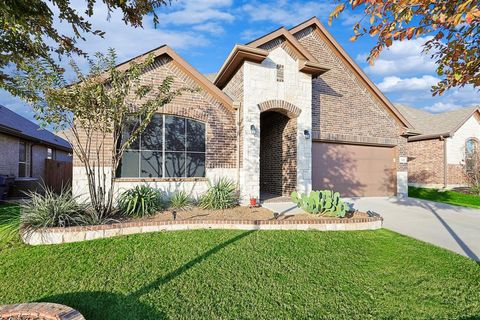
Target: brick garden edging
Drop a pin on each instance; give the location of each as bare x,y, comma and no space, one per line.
39,311
76,234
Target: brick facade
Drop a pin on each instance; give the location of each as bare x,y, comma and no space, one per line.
278,155
341,103
235,90
201,106
337,106
456,175
426,162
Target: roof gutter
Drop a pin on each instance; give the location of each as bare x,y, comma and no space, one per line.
430,136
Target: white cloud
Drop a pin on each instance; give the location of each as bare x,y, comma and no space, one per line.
210,27
403,57
287,12
129,41
252,34
393,83
192,12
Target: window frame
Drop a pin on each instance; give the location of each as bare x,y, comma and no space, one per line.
24,162
51,153
471,155
164,151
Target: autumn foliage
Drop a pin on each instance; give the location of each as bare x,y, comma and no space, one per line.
451,28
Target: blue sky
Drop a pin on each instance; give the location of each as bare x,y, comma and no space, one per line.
204,31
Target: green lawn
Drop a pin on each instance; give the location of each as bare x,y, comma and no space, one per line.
246,275
450,197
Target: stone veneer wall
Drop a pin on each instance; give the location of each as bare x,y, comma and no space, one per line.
277,154
260,85
201,105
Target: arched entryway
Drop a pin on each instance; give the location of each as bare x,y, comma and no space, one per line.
278,152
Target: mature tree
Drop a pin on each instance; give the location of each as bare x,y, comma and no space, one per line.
95,111
452,26
27,30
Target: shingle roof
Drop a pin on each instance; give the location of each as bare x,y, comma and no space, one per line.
427,123
16,125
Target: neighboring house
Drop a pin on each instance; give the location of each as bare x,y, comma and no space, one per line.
439,153
288,111
25,147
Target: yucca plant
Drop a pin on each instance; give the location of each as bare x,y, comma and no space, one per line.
180,201
52,210
220,195
140,201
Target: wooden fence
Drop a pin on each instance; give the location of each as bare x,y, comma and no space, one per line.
58,174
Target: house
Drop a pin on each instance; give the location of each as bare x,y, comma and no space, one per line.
288,111
439,154
25,147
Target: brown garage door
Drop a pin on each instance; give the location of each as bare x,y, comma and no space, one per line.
353,170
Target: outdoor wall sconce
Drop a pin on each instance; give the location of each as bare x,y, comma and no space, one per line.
306,134
253,130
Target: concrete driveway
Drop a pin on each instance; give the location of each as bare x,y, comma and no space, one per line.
450,227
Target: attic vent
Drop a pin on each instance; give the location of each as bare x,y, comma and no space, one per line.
280,72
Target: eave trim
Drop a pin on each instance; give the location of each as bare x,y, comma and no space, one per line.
237,56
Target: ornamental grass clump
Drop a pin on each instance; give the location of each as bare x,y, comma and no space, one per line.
140,201
220,195
48,209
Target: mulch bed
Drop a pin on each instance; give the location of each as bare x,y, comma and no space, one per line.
239,213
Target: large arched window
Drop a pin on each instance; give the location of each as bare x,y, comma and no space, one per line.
471,154
170,146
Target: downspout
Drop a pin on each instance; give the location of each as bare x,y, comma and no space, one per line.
445,165
31,159
238,106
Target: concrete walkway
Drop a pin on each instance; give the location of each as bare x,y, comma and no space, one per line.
451,227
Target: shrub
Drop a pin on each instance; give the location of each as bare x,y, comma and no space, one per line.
220,195
325,202
140,201
180,201
52,210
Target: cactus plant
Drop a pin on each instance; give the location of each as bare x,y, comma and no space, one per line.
325,202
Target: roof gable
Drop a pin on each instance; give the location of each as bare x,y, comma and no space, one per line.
199,78
353,66
254,52
289,38
432,126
